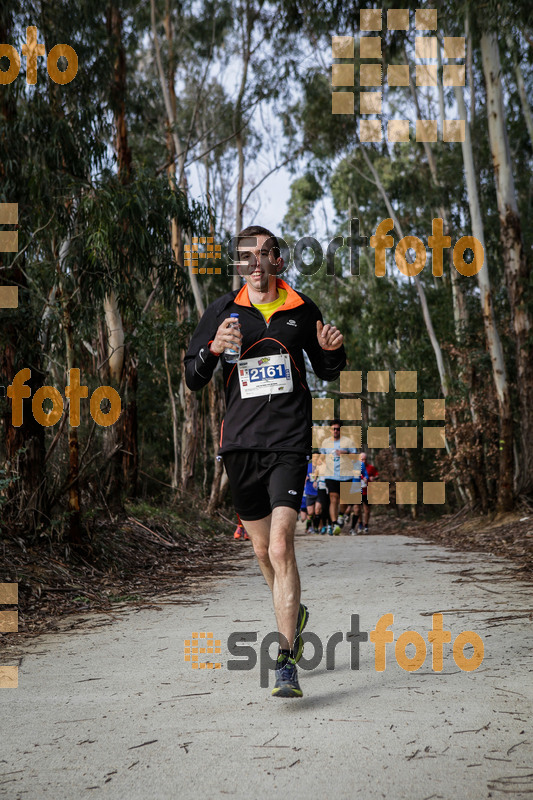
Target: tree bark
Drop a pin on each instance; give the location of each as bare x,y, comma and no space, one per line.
237,125
215,417
494,345
516,269
459,304
123,466
74,502
522,93
115,338
175,426
176,150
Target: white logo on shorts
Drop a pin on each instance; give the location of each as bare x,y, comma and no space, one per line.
292,322
291,491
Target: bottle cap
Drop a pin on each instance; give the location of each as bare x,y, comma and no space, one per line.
234,315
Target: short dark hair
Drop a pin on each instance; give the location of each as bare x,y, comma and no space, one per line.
259,230
335,422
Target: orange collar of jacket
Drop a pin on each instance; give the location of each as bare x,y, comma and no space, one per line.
293,298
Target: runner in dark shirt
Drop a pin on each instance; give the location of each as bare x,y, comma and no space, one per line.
266,434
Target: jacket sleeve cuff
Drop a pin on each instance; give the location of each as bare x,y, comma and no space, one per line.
206,362
213,353
335,359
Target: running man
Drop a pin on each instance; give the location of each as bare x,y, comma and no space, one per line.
309,500
322,497
265,438
369,473
335,446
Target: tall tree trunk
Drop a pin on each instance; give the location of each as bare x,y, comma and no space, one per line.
522,93
115,338
516,270
176,150
123,465
459,303
113,366
478,468
175,426
470,66
494,345
237,124
215,417
74,503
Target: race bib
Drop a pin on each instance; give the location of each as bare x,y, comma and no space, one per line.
265,375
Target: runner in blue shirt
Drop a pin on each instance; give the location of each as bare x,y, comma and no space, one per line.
309,499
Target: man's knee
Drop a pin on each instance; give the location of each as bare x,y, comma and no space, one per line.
281,550
261,552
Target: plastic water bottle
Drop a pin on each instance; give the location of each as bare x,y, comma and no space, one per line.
231,355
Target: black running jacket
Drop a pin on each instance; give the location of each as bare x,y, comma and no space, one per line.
278,422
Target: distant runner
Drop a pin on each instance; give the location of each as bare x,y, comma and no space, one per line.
240,531
334,446
369,473
309,499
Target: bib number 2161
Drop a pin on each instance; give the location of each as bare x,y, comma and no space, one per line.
269,375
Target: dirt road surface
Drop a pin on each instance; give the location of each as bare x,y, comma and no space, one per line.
110,708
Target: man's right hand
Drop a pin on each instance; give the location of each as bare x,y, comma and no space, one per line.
226,336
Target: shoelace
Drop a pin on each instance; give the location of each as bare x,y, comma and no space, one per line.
287,672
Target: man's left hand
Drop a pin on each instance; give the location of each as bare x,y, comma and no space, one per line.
329,337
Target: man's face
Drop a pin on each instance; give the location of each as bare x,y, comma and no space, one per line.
336,431
257,262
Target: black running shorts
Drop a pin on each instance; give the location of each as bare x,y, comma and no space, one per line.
335,486
322,497
261,480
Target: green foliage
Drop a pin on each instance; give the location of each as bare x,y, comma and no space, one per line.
305,192
127,236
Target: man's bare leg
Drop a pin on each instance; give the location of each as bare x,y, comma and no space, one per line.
333,506
286,592
278,562
259,532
